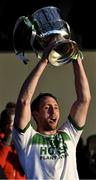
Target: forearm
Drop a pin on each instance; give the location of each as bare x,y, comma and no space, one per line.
29,86
81,81
80,107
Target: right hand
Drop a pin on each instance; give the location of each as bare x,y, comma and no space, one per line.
47,51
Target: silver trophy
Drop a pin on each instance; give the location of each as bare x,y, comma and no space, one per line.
45,26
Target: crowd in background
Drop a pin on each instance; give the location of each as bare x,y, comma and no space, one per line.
10,167
86,158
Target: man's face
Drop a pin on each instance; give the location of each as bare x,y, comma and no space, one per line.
10,118
48,114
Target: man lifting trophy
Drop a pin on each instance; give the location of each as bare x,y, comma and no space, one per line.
49,150
45,26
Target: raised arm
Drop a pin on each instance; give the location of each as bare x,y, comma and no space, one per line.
23,108
80,107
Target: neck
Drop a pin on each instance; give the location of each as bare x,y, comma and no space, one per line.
51,132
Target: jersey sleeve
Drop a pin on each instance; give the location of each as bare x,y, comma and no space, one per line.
21,138
72,130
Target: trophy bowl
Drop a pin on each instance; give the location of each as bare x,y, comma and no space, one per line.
38,30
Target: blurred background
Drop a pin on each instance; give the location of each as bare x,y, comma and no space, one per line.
79,14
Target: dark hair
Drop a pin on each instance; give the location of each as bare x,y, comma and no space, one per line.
36,102
11,105
4,118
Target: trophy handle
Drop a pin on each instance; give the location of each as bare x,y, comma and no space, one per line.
21,37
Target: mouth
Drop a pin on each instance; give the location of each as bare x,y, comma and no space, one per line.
52,123
52,120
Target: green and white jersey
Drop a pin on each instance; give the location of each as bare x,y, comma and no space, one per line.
50,157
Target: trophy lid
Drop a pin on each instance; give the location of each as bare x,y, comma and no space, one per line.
48,20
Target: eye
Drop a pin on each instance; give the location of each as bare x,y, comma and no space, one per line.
56,107
46,107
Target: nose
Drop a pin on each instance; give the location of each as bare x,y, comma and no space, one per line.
51,110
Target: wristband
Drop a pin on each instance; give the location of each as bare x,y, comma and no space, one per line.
75,56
